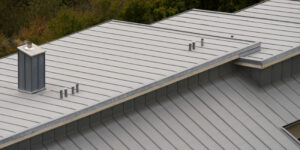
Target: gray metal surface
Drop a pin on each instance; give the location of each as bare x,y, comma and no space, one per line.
281,10
31,72
280,40
206,111
110,61
275,72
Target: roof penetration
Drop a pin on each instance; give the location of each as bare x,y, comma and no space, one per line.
281,10
280,40
112,62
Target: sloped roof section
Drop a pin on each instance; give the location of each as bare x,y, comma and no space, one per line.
280,10
280,40
112,62
230,112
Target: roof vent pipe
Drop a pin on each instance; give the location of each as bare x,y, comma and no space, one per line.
31,68
77,87
61,95
190,46
66,92
194,45
73,90
202,42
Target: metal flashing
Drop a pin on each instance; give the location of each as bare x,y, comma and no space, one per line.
35,50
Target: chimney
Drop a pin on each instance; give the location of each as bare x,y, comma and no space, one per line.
31,68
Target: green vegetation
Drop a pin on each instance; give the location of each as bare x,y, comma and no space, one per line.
44,20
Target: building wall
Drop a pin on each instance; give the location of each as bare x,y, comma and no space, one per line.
275,72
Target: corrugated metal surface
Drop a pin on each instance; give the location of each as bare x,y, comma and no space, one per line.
203,112
279,39
110,62
282,10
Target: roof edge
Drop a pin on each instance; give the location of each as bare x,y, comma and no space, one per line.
271,61
251,6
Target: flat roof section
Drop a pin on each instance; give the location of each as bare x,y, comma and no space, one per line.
280,40
112,62
281,10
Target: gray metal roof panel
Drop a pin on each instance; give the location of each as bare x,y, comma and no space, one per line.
279,39
281,10
109,66
230,112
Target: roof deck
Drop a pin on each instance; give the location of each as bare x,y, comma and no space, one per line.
280,40
112,62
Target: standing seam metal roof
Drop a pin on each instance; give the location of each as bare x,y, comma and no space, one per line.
280,40
280,10
229,112
111,61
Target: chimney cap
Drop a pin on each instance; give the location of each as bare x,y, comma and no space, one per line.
29,45
33,51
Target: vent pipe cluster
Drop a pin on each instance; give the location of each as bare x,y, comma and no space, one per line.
192,45
64,93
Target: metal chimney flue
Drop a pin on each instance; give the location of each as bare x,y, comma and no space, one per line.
31,68
29,45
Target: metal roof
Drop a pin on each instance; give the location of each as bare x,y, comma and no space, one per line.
229,112
280,40
281,10
113,62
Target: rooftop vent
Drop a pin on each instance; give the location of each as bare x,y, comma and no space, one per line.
192,46
31,68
